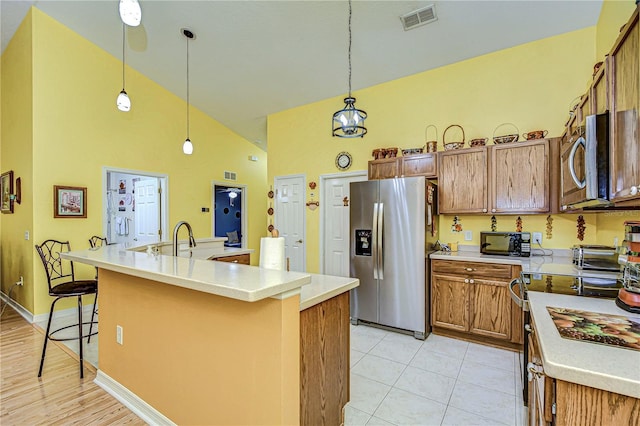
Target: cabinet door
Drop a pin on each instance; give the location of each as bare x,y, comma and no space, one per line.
490,309
462,181
520,177
599,92
420,165
625,120
449,302
385,168
244,259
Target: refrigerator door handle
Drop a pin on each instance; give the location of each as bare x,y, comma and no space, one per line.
379,245
374,240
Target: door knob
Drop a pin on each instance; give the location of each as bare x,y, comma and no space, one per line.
299,241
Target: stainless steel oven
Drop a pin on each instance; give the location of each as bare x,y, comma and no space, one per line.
603,285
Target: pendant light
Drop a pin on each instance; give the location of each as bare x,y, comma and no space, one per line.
123,102
130,12
187,146
349,121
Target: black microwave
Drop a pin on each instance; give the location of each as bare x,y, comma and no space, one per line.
516,244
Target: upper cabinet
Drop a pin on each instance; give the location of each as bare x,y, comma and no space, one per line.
600,91
511,178
462,181
411,165
624,73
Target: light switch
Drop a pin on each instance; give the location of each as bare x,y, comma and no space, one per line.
26,235
468,235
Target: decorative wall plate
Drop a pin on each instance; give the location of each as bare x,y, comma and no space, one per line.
270,194
343,160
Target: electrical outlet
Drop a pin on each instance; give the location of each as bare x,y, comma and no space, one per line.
468,235
26,235
119,334
537,237
21,282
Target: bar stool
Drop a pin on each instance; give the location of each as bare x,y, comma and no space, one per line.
96,241
62,284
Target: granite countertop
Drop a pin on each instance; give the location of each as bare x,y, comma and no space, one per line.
606,367
236,281
558,264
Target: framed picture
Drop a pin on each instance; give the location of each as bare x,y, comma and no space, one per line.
69,201
6,191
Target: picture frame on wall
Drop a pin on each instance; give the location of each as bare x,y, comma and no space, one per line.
6,192
69,201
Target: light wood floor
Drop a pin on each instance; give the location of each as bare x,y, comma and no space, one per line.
59,396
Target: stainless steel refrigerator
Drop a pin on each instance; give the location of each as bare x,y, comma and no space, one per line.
390,221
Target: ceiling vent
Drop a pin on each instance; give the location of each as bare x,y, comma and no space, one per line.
419,17
230,175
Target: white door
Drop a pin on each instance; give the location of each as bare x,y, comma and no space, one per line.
290,219
147,211
335,221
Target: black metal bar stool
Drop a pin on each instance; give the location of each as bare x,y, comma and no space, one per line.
62,283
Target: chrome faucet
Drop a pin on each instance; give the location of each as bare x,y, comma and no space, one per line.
192,241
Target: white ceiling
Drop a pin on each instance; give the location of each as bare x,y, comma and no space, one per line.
254,58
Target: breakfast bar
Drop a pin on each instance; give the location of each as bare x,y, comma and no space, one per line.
228,335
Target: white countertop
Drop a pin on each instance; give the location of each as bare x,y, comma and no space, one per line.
558,265
241,282
206,248
324,287
599,366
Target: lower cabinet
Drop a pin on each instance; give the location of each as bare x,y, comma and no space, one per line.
244,259
324,361
471,300
560,403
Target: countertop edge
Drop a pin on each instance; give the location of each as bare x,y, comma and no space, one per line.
315,293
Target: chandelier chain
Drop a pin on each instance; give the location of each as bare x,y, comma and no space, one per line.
349,48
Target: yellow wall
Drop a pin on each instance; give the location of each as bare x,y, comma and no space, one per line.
613,16
16,154
202,359
530,85
77,130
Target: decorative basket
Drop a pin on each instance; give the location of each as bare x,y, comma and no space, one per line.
412,151
478,142
506,138
431,146
452,145
391,152
535,134
379,153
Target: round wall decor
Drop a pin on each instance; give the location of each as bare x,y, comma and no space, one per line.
343,160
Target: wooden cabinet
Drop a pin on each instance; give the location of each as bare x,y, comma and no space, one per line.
557,402
462,181
324,361
385,168
413,165
244,259
522,178
624,64
420,165
471,300
600,91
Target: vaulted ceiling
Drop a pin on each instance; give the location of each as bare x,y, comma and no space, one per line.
254,58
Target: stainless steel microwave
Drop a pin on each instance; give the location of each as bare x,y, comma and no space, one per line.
585,165
506,243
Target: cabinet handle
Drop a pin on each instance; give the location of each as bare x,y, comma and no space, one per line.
235,261
528,328
484,210
469,269
493,210
471,281
633,190
534,370
466,281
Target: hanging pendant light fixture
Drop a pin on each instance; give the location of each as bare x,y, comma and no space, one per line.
187,146
130,12
123,102
349,121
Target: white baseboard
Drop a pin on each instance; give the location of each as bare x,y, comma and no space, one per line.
18,307
86,314
130,400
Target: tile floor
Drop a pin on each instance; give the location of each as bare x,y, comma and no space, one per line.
398,380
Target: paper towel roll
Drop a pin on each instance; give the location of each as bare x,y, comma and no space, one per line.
272,253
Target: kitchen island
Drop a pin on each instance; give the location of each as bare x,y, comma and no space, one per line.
205,342
585,382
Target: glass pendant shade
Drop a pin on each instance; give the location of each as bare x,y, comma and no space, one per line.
130,12
123,101
187,147
349,121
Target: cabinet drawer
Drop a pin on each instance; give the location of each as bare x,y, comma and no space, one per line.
240,258
473,269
